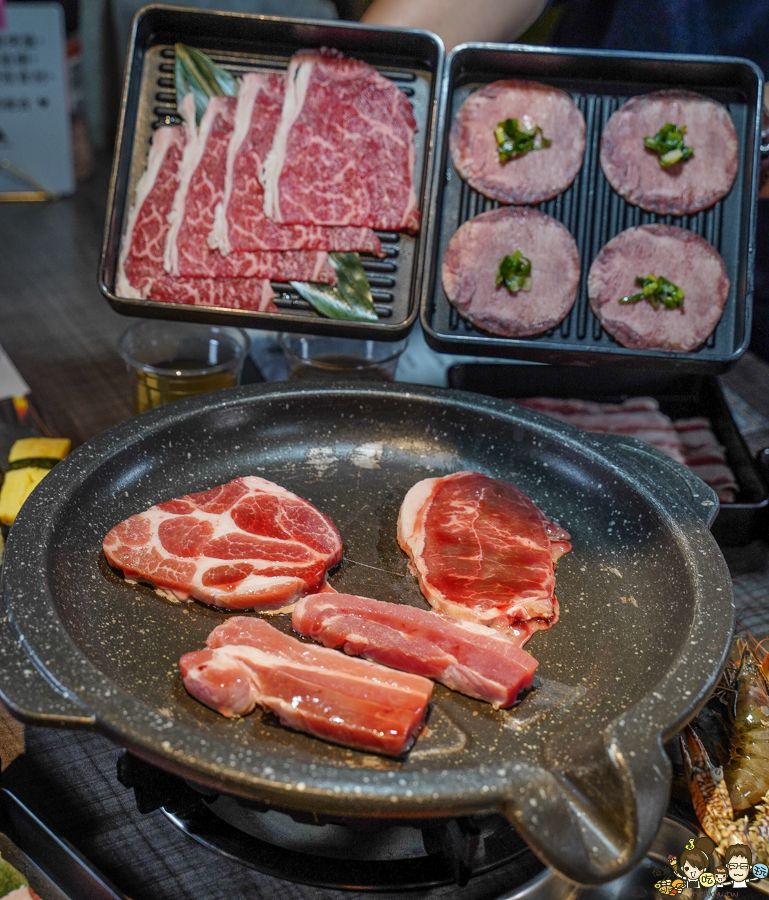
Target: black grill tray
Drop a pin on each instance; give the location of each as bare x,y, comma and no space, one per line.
600,82
680,396
241,43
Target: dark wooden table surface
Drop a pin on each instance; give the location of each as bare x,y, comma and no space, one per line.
62,335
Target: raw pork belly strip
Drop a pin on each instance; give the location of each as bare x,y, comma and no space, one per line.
466,657
201,187
240,223
140,269
482,550
348,701
248,544
343,152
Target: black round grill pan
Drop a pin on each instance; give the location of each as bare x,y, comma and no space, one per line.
578,767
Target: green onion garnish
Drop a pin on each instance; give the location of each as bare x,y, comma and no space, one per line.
658,291
515,272
512,140
669,143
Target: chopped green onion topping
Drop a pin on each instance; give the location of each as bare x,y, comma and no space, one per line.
515,272
669,143
512,140
658,291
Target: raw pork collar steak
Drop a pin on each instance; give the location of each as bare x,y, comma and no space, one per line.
471,263
201,188
537,175
248,544
348,701
343,152
473,659
482,551
682,257
635,172
140,269
239,221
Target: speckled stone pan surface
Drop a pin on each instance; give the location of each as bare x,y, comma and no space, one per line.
646,611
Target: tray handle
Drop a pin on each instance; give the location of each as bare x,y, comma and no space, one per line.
28,695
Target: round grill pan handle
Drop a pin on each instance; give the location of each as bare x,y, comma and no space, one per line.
27,694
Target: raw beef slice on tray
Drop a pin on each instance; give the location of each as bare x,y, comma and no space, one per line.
634,171
535,176
140,267
322,692
247,544
469,658
482,551
678,255
472,261
239,222
201,187
343,151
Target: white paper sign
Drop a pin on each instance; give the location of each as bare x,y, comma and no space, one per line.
35,139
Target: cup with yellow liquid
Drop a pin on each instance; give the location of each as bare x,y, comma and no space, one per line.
171,360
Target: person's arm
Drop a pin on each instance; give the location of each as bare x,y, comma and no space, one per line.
459,20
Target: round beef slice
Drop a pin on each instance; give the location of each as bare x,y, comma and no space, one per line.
688,186
682,257
537,175
471,264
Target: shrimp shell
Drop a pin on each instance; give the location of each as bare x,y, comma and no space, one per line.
747,772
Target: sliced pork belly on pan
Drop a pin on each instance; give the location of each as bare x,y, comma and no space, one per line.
466,657
535,176
248,544
634,171
201,187
140,269
680,256
239,222
322,692
343,152
482,551
472,262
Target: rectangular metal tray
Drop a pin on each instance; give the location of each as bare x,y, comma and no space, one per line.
242,43
680,396
599,83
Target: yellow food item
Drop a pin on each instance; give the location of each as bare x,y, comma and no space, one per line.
20,480
39,448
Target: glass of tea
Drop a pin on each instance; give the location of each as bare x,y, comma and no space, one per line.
171,360
316,356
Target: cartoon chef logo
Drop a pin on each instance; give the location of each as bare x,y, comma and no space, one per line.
690,869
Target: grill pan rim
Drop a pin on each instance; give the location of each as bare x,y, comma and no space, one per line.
130,722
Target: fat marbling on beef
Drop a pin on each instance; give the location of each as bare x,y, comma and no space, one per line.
343,151
634,171
472,261
239,221
535,176
353,702
247,544
140,267
466,657
677,254
482,551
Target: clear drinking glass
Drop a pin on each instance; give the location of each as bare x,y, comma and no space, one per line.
171,360
316,356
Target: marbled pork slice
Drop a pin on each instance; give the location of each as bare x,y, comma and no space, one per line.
471,264
322,692
482,551
201,187
537,175
688,186
343,151
682,257
469,658
239,220
140,268
247,544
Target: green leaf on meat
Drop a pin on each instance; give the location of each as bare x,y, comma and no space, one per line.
515,272
669,143
349,299
197,74
658,291
513,140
